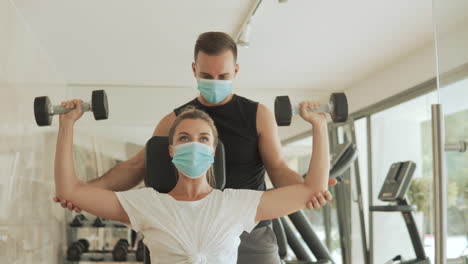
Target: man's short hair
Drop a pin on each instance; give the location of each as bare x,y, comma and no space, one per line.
215,43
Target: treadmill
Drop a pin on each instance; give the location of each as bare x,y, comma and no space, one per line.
394,191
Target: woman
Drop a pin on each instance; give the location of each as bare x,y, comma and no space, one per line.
193,223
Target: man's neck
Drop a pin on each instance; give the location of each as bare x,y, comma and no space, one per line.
204,102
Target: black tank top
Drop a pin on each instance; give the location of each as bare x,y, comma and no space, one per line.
236,122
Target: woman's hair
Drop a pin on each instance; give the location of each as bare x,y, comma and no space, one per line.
191,112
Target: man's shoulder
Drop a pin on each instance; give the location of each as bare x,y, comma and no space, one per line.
263,112
251,108
246,100
179,109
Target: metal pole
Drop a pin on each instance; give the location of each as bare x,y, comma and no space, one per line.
370,188
304,227
342,204
297,247
328,225
362,221
440,185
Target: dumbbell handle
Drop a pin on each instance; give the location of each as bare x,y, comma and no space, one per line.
325,108
58,109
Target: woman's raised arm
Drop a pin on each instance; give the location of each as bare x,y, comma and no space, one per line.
289,199
100,202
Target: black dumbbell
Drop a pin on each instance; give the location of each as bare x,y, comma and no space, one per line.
337,107
140,252
77,221
98,222
44,110
76,249
120,251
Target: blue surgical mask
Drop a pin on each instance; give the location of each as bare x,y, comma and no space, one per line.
193,159
214,91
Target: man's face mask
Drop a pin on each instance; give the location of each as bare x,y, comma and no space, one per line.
214,91
193,159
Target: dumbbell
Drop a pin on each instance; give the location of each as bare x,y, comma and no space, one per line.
337,107
76,249
120,251
77,221
44,110
140,252
98,222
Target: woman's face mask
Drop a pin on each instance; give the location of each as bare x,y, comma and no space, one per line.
193,159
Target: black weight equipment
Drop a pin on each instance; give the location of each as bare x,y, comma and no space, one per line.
140,252
120,251
98,222
85,243
337,107
76,249
44,110
133,237
394,191
77,221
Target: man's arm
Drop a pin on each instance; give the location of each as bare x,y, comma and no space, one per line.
286,200
128,174
270,150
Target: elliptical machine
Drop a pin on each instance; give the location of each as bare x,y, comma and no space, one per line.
394,190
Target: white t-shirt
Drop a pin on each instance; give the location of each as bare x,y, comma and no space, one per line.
203,231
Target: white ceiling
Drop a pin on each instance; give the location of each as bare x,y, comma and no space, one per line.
300,47
302,44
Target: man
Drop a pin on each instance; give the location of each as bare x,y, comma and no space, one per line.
248,131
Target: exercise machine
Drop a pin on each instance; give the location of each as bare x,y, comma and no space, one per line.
394,191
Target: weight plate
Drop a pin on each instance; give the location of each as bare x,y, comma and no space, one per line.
85,244
41,111
340,107
283,110
123,242
140,252
99,105
74,251
120,251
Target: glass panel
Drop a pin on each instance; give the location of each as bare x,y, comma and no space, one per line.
402,133
297,154
455,108
451,20
360,129
30,224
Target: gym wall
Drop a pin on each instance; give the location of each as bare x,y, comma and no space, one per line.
32,227
412,69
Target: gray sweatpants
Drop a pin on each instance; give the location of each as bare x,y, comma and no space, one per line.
258,246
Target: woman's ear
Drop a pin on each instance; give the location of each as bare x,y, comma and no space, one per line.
171,151
214,151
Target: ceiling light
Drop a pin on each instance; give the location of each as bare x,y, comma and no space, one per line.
244,37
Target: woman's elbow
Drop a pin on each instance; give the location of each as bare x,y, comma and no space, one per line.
67,192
